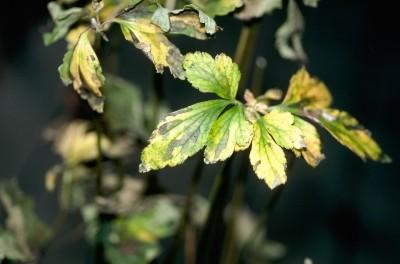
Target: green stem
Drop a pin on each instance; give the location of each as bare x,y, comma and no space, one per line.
185,220
230,254
210,241
245,49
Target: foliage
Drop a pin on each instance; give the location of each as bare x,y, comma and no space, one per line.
128,219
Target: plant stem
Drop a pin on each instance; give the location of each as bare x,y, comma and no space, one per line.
245,48
230,253
210,242
184,225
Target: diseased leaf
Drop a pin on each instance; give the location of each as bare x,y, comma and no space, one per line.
82,67
312,152
217,7
74,34
306,91
220,75
281,127
257,8
63,20
180,135
288,36
189,21
346,129
150,39
311,3
77,144
231,132
266,157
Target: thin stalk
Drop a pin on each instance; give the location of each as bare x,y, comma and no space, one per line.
184,225
258,75
245,48
210,242
99,247
230,254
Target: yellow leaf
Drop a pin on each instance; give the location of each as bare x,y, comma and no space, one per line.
306,91
346,129
281,126
266,157
150,39
312,152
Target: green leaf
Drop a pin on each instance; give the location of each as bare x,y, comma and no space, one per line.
180,135
150,39
231,132
82,67
266,157
220,75
311,3
258,8
288,36
123,110
63,20
346,129
307,92
281,126
217,7
312,152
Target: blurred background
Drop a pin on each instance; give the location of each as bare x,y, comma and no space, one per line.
344,211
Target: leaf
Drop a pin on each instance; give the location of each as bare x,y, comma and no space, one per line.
150,39
258,8
266,157
217,7
29,231
82,67
63,20
281,127
74,34
220,75
123,110
9,247
306,91
346,129
188,20
180,135
288,36
311,3
231,132
312,152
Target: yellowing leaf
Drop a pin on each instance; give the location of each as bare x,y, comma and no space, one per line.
74,34
288,36
217,7
281,127
150,39
77,144
306,91
220,75
346,129
312,152
257,8
82,67
192,22
180,135
231,132
266,157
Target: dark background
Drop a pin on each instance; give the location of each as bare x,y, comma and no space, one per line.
344,211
